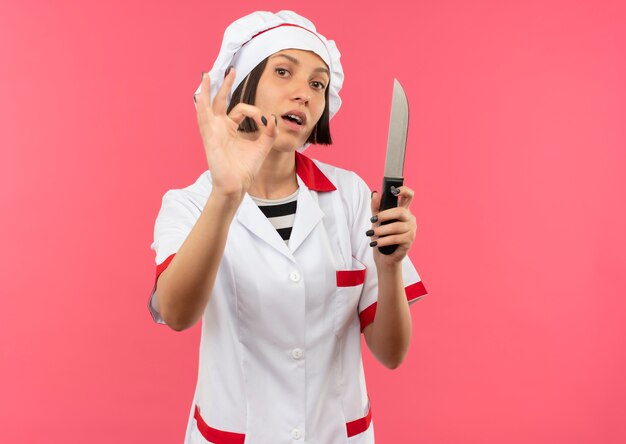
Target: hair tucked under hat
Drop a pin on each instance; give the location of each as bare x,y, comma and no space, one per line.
251,39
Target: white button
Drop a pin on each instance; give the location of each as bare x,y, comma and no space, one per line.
294,276
296,434
297,353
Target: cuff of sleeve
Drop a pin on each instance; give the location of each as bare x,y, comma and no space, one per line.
152,302
414,292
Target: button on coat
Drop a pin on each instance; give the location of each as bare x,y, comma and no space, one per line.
294,276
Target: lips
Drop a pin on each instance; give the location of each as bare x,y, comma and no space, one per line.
295,117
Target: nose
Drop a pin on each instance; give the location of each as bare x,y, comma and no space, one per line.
300,93
302,98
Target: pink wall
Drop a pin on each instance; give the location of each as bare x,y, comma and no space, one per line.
516,153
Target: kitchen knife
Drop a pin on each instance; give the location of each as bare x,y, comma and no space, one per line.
394,161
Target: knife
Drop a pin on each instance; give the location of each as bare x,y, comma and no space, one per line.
394,160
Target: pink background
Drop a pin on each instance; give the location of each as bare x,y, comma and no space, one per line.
516,153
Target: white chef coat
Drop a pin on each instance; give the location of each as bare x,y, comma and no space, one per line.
280,351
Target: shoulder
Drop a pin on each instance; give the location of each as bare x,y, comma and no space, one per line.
347,182
192,196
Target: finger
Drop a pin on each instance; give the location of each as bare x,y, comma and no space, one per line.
220,102
375,204
203,100
269,132
389,229
243,110
403,240
395,213
405,197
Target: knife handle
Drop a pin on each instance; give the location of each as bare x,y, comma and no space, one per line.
388,200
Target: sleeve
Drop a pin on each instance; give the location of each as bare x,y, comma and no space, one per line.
362,252
176,218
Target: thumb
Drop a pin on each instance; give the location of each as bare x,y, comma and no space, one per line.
269,133
375,205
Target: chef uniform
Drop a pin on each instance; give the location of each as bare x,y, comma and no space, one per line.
280,351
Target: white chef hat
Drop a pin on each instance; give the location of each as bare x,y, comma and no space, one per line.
251,39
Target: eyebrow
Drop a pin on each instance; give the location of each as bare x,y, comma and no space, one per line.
297,62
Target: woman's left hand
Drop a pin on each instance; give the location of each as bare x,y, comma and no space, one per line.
401,232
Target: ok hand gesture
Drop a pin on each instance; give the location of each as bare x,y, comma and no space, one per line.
234,157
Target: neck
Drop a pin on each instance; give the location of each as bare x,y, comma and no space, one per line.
277,176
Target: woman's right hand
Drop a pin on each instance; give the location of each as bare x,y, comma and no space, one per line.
234,157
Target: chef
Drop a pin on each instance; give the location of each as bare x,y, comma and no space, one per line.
278,253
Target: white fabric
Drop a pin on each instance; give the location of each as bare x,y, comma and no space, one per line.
244,52
269,42
281,343
290,198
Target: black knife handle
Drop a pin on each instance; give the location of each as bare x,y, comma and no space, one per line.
388,200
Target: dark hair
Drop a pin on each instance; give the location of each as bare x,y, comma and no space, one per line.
246,93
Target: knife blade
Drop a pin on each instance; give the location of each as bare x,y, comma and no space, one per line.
394,160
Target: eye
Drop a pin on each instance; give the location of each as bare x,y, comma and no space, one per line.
318,85
282,72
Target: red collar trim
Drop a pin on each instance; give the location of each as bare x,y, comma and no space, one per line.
311,175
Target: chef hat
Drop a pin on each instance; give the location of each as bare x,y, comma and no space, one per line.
251,39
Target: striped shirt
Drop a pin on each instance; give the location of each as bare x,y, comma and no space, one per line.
280,212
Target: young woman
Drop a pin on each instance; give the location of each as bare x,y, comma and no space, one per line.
277,253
